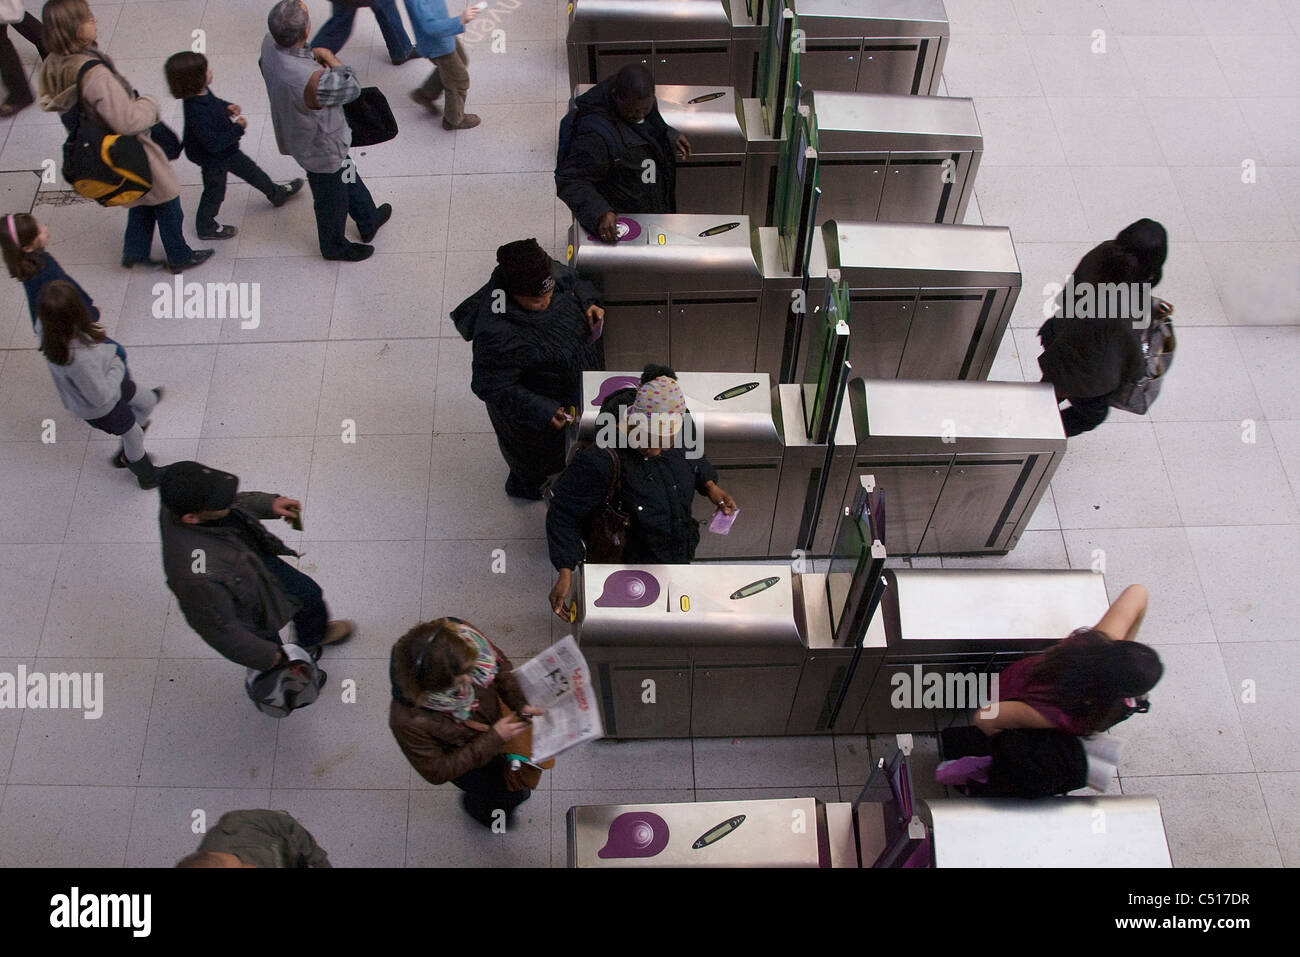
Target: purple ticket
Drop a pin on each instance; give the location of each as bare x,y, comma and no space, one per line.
721,523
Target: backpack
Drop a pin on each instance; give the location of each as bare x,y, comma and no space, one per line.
569,131
110,168
1158,344
293,684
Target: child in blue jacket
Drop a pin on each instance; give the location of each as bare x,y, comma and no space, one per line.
212,131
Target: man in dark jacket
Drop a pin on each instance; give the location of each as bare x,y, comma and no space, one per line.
657,484
534,329
226,572
621,156
257,838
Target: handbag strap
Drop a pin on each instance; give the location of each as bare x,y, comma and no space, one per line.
615,482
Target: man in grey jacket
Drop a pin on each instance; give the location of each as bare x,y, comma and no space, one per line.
307,90
226,572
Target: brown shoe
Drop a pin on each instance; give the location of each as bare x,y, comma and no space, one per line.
467,122
338,631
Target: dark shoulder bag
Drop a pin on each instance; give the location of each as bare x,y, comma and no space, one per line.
605,533
370,118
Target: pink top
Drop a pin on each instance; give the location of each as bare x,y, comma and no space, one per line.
1015,684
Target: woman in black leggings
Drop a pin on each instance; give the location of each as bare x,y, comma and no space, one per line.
12,73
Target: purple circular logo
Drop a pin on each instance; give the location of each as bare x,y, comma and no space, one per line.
635,834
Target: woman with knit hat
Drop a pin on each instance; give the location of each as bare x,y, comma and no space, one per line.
657,482
534,327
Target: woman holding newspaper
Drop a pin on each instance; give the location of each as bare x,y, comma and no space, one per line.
459,715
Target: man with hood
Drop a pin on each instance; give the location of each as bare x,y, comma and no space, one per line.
617,155
534,327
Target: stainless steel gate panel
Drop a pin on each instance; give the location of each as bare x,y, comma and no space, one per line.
731,699
962,464
968,279
754,487
641,332
780,335
881,320
802,469
900,44
604,34
715,330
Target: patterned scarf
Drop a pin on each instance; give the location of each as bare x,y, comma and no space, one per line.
460,701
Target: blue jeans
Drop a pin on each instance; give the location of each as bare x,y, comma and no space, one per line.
334,201
313,617
138,241
338,28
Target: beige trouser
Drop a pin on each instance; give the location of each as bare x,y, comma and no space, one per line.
450,74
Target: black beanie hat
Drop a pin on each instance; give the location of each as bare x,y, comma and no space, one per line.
524,268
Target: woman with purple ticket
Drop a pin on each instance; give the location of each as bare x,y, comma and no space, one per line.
656,485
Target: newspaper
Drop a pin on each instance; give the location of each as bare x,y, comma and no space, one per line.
559,681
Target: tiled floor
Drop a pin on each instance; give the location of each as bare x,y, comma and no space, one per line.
1198,500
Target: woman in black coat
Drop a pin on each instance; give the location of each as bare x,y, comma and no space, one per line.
658,483
534,328
1092,345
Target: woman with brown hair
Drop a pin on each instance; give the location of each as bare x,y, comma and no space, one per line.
71,35
455,706
90,373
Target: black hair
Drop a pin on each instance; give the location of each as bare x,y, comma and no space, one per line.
653,371
1089,672
1147,240
633,82
187,74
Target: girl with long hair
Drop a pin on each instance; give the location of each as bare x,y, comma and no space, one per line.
92,378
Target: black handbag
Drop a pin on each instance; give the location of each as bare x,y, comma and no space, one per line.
370,118
1158,345
605,533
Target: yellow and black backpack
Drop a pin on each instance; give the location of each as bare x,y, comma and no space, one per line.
110,168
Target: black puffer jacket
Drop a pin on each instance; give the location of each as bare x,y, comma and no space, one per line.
528,364
656,493
603,170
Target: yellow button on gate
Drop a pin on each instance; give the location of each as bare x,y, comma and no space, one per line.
569,254
663,240
685,603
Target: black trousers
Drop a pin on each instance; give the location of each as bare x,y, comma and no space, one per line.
1084,415
214,187
313,617
11,67
486,792
335,199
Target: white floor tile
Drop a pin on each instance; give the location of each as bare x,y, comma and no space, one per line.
1250,600
1219,478
1262,673
65,826
383,386
1200,834
393,470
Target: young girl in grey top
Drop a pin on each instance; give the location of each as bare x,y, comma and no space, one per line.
90,373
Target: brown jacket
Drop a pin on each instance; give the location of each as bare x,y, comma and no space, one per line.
437,745
111,100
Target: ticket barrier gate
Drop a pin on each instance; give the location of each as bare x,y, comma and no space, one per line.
927,300
697,292
881,158
679,41
721,650
965,463
876,46
887,826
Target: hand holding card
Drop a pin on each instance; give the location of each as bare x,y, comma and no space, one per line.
721,523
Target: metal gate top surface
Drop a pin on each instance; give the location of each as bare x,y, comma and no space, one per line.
921,254
943,610
731,411
708,115
671,252
893,122
1055,832
665,606
950,412
877,18
637,21
696,834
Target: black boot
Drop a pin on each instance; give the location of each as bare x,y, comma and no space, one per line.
145,472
